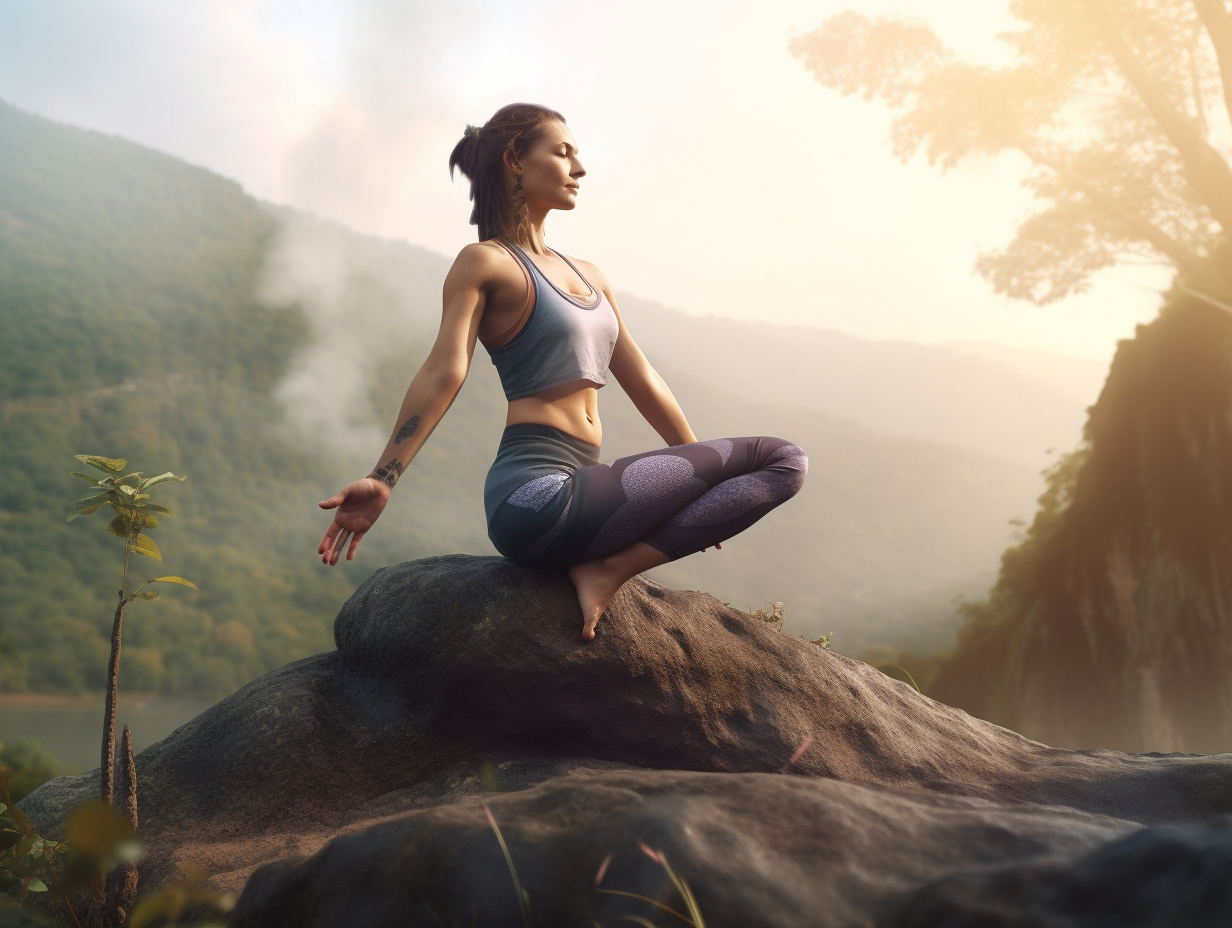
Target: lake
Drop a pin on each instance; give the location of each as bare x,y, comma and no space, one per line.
71,727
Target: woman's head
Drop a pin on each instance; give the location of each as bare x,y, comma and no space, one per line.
523,156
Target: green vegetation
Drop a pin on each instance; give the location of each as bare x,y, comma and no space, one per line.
97,839
776,615
127,316
30,765
129,497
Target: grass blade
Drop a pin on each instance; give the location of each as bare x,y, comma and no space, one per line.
523,898
655,902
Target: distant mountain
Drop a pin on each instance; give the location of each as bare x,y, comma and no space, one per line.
152,310
897,388
1079,378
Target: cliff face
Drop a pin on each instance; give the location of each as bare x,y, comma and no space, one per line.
1111,625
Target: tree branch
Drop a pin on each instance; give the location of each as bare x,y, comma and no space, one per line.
1205,169
1218,22
1143,228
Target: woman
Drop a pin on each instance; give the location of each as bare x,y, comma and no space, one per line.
553,330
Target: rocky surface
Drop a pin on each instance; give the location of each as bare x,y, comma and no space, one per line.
463,680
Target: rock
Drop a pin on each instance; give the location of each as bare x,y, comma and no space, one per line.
1161,877
452,666
755,849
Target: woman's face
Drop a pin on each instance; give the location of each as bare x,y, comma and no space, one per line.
551,171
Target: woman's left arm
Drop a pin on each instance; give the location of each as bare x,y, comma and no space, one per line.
636,376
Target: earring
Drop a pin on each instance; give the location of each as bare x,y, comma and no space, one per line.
517,187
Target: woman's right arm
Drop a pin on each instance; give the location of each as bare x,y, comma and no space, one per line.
431,393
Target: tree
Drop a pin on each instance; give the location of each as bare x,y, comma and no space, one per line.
1124,111
1110,623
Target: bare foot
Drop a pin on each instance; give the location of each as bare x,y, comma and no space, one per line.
596,582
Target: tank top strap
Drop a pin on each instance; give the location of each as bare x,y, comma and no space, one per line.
529,306
585,280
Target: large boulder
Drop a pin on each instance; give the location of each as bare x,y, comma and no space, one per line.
459,677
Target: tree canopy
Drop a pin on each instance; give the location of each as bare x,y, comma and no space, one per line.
1124,111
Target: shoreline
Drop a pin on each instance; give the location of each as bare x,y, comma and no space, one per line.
61,700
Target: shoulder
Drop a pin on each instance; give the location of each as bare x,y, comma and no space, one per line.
480,263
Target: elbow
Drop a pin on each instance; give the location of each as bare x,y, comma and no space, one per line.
447,377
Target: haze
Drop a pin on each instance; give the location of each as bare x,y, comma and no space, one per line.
722,179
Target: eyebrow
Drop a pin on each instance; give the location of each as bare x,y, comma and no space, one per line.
568,146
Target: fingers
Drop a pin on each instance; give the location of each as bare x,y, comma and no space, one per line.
354,544
339,546
327,541
331,541
333,501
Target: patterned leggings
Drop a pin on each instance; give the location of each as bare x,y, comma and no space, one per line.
550,503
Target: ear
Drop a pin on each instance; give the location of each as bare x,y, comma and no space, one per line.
511,161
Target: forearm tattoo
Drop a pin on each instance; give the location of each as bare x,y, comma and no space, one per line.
389,472
409,428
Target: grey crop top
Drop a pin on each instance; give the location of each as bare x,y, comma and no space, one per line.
566,337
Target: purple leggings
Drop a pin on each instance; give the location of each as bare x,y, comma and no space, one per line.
550,503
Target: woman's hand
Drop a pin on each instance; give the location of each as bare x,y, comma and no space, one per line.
718,546
359,504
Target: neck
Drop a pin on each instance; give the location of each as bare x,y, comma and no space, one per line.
531,238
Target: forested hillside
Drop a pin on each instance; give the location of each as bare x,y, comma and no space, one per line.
152,310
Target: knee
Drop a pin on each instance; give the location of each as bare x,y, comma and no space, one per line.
792,462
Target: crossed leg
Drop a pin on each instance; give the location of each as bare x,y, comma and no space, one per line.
648,509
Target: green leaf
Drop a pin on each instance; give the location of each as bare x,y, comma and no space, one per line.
106,465
79,507
86,477
133,480
143,545
180,580
152,507
150,521
118,527
161,478
125,489
36,885
148,594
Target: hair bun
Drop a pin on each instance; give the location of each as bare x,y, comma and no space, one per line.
472,131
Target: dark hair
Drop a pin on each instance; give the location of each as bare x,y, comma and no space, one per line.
516,126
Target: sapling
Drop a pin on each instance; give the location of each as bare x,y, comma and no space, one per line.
128,495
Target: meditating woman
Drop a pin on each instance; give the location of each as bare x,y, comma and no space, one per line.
553,330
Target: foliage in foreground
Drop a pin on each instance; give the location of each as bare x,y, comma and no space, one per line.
30,765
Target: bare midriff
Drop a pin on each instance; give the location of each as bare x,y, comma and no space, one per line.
571,407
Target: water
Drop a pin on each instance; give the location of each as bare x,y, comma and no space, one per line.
72,727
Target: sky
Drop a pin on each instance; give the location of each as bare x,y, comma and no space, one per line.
722,179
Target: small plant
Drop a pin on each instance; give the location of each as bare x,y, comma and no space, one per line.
28,862
694,916
135,515
97,838
774,616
